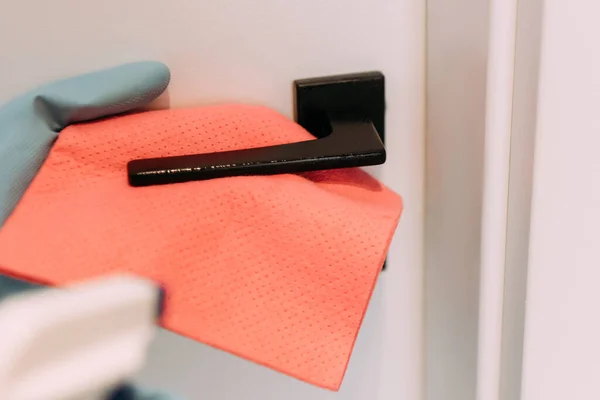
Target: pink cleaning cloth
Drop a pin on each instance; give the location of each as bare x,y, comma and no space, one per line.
276,269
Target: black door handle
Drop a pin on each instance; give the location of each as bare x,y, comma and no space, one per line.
345,113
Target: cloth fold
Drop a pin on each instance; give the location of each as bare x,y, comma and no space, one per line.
276,269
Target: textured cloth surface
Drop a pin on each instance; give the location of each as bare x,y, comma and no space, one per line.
276,269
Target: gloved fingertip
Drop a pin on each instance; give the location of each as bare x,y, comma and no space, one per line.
103,93
154,71
135,82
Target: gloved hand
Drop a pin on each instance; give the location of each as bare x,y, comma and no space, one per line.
30,124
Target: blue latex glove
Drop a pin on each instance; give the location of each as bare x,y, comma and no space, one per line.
30,124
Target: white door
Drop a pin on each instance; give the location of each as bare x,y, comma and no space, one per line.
561,356
251,51
540,298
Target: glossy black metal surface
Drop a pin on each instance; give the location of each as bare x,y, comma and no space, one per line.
345,113
360,95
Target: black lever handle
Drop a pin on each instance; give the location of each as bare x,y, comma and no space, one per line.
344,112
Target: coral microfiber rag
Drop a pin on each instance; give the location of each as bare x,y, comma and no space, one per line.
276,269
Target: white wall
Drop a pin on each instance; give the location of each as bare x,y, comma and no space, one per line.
456,78
233,50
562,346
